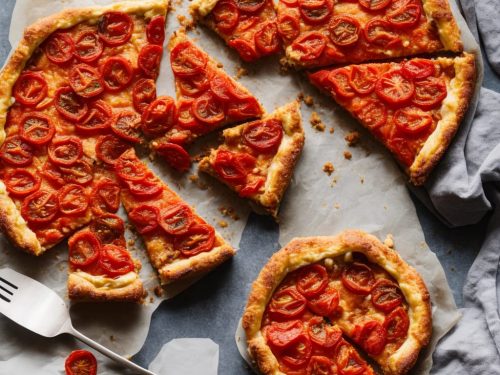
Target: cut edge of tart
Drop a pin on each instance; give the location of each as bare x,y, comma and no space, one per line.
302,252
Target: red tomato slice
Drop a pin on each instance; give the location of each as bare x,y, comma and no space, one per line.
65,150
315,12
106,197
21,182
176,219
208,109
310,45
379,31
281,335
155,31
159,116
86,81
53,174
372,113
109,148
99,118
430,92
358,278
72,199
226,16
394,88
149,60
40,207
143,94
59,48
339,79
402,149
115,28
312,280
144,218
244,108
298,354
126,125
116,260
348,360
186,118
88,47
363,79
147,188
344,30
252,187
386,295
36,128
372,337
228,168
250,6
176,156
263,136
193,86
30,88
320,365
198,239
374,4
323,334
108,228
117,73
245,49
412,121
80,172
287,303
326,303
419,68
81,362
288,26
246,22
16,152
70,105
396,324
406,16
221,86
187,60
129,167
267,39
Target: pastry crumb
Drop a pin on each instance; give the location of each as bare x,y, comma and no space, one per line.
131,242
334,182
352,138
284,67
222,223
337,206
195,179
332,130
307,99
316,122
112,338
389,241
241,72
185,22
347,155
220,65
229,212
362,179
328,168
151,299
158,290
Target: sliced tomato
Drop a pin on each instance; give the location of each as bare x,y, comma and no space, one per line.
228,168
298,354
289,3
406,16
372,337
59,48
117,73
321,365
402,149
53,174
176,156
144,218
380,32
108,228
252,187
208,109
129,167
396,324
155,31
88,46
143,94
116,260
358,278
323,334
312,280
69,105
159,116
371,112
36,128
40,207
310,45
344,30
287,303
115,28
72,199
281,335
149,60
186,118
16,152
246,22
429,92
109,148
187,60
245,48
80,172
363,79
99,118
199,238
412,121
126,125
419,68
176,219
263,136
374,4
394,88
30,88
267,39
147,188
65,150
250,6
106,197
221,86
86,81
21,182
244,108
339,80
326,303
193,86
348,360
315,12
386,295
288,26
226,16
81,362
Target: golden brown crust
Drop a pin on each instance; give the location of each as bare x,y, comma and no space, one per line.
453,109
439,11
302,251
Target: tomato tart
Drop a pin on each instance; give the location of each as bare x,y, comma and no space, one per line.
180,244
249,27
257,158
317,294
414,107
324,32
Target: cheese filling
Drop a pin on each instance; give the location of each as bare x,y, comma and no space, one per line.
103,282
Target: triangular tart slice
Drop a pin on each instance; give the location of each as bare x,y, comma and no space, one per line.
180,244
413,107
257,158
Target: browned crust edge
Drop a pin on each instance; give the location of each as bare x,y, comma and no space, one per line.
82,290
439,12
303,251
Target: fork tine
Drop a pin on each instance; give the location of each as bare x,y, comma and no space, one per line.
4,298
6,290
8,283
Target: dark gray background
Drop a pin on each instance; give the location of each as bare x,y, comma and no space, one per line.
223,292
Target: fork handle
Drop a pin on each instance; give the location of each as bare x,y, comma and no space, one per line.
110,354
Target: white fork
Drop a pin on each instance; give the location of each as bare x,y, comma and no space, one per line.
47,314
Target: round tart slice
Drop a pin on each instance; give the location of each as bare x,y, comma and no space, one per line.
324,304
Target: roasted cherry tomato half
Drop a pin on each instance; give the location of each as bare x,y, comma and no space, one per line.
358,278
86,81
344,30
396,324
406,16
99,118
380,32
386,295
315,12
198,239
419,68
126,125
116,260
323,334
187,60
339,80
117,73
288,26
252,187
193,86
321,365
244,108
129,167
372,337
155,31
21,182
65,150
281,335
176,219
326,303
115,28
36,128
263,136
84,249
310,46
312,280
72,199
16,152
109,148
394,88
175,155
40,207
363,79
208,109
246,49
145,189
144,218
81,362
143,94
226,16
69,105
229,168
59,48
374,4
106,197
149,60
412,121
287,303
267,39
80,172
108,228
159,116
88,46
298,354
429,92
348,360
250,6
30,88
371,112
